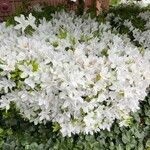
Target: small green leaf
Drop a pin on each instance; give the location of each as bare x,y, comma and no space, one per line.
62,33
128,147
140,146
119,147
98,77
1,131
148,143
104,52
34,66
9,132
73,40
54,44
56,127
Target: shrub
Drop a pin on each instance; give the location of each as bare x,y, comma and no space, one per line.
103,43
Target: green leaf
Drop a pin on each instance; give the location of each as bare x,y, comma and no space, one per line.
56,127
72,40
62,33
34,146
29,30
34,65
55,44
126,138
1,131
114,2
148,143
128,147
104,52
119,147
140,146
1,143
9,132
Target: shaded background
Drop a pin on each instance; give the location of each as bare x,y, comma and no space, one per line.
8,7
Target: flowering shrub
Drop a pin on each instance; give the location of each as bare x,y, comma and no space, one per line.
142,37
72,71
139,33
141,3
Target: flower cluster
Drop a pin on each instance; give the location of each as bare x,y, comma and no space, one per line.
142,36
72,71
141,3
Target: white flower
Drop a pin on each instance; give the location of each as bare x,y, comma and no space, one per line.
31,21
6,85
23,22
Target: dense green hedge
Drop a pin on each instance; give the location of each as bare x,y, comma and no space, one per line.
18,134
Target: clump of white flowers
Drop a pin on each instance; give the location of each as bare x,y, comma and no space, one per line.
72,71
141,3
142,36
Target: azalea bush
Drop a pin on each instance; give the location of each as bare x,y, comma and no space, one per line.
72,71
75,76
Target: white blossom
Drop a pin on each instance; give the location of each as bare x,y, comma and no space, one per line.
24,22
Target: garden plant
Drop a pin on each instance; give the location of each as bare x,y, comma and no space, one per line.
75,80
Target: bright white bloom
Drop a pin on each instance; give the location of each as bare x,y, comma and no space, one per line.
31,21
73,71
6,85
23,22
